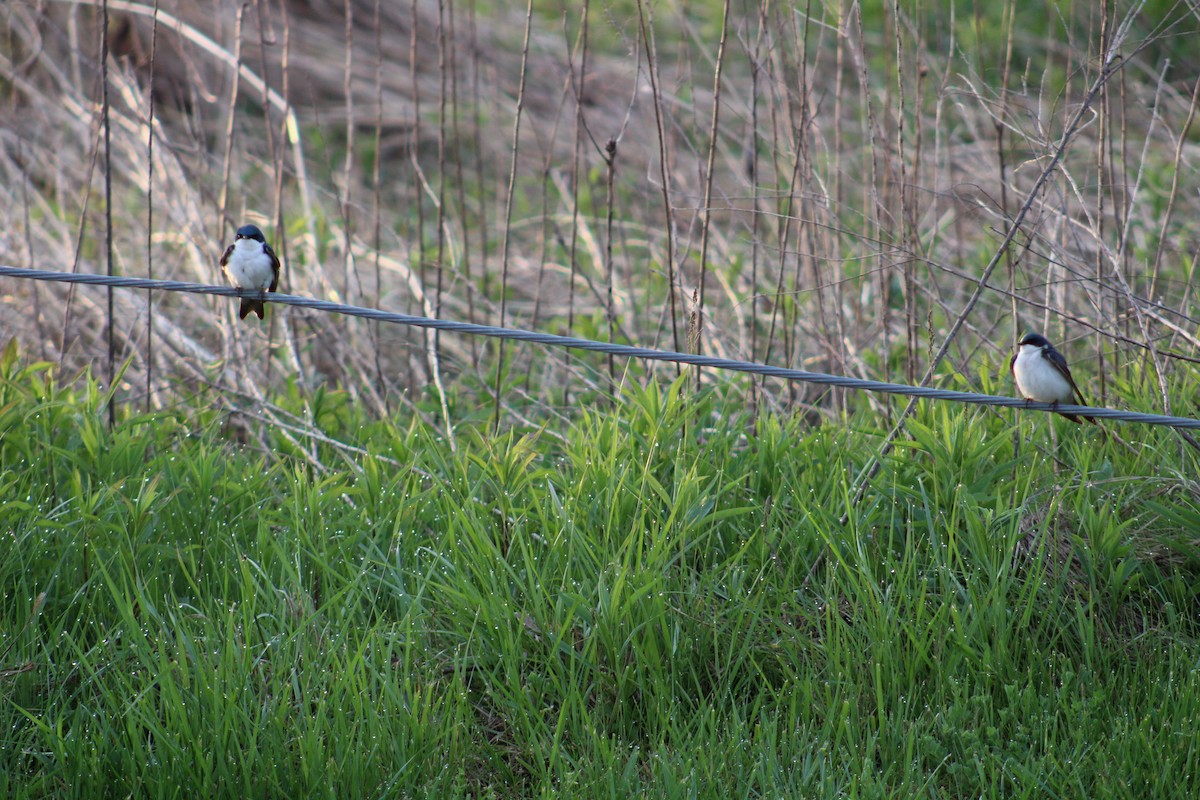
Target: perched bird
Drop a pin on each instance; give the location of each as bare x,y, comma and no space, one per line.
250,264
1041,374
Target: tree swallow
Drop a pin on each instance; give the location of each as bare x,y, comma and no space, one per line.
1041,374
250,264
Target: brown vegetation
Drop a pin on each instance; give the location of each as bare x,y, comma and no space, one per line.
837,213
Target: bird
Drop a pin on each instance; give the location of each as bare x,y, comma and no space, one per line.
250,264
1042,375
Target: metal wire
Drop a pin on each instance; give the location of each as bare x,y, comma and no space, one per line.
628,351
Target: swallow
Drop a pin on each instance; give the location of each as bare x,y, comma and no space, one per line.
250,264
1042,375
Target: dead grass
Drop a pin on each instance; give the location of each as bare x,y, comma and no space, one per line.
861,178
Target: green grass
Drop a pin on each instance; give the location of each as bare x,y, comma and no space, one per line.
627,607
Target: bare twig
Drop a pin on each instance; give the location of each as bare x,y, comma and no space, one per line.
508,204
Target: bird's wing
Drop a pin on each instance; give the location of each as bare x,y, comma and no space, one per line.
1060,364
274,266
1012,364
225,258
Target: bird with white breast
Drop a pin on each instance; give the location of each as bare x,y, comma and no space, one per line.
1042,375
250,264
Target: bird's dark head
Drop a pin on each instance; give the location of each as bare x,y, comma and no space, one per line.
250,232
1034,339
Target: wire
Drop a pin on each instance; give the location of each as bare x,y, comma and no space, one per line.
628,351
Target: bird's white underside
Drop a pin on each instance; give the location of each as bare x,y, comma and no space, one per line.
249,267
1037,379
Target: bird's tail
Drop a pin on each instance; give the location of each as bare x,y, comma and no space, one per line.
251,304
1082,402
